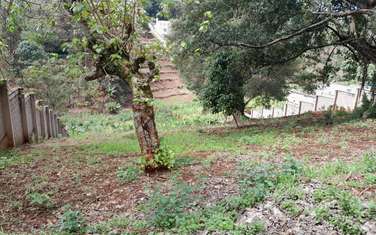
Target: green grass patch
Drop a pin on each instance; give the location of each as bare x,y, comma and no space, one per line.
12,157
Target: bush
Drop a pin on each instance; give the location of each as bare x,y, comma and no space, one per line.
329,117
163,159
113,107
72,222
369,161
367,110
167,209
29,52
41,200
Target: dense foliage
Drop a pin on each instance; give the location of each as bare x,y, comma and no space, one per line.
307,38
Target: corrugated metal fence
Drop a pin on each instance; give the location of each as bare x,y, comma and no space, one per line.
23,119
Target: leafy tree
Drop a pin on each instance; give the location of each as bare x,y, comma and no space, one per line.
223,91
11,24
161,9
277,33
112,32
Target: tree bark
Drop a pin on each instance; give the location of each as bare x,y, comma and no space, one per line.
146,131
143,110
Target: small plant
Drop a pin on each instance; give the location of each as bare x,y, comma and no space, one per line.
369,162
128,174
371,210
328,117
163,159
166,209
113,107
41,200
291,207
292,167
256,227
72,222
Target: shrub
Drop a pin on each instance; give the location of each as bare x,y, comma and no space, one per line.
367,110
113,107
41,200
369,161
163,159
128,174
72,222
328,117
166,209
29,52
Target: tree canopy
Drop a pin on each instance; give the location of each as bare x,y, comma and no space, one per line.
270,34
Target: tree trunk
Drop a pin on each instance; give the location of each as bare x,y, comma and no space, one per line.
146,130
143,110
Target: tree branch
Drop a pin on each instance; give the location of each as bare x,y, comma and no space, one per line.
278,40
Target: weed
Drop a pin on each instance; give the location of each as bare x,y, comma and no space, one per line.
11,157
265,138
350,205
72,222
291,208
41,200
113,107
256,227
346,225
369,162
219,221
163,159
349,218
108,226
165,209
371,210
128,174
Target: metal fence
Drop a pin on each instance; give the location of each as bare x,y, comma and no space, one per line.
341,101
25,120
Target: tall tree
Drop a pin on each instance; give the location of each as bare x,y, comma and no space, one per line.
275,33
11,22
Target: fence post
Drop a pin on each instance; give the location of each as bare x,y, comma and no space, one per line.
5,109
59,129
300,107
335,101
25,127
48,123
273,112
262,112
55,125
357,98
52,123
316,103
42,118
286,109
34,117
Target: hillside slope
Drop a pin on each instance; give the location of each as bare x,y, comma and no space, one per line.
170,87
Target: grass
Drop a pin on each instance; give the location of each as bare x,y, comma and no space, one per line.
12,157
219,173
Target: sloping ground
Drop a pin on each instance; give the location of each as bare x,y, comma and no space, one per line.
170,87
226,181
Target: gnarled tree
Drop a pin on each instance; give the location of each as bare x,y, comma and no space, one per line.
112,30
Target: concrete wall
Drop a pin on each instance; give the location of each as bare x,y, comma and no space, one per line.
23,120
15,111
2,127
340,100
